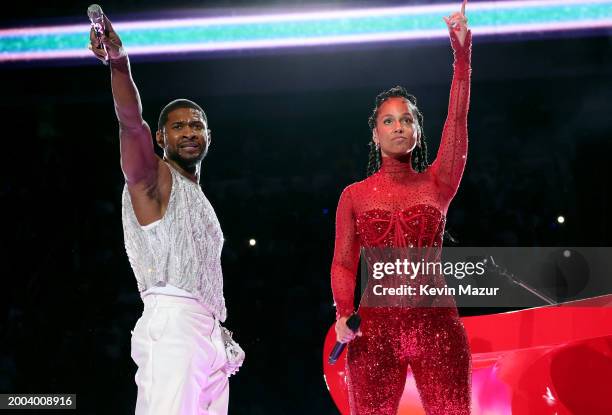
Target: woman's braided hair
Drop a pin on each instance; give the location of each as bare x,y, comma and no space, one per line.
419,154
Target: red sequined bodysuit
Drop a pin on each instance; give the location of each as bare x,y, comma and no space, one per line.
398,207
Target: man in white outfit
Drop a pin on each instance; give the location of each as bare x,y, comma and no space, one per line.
173,240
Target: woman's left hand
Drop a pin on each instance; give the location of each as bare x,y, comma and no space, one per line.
457,22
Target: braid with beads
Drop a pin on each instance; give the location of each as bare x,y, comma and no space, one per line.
373,159
419,154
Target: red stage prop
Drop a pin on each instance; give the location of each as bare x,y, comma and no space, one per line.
552,360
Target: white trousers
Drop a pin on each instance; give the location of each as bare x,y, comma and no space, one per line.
178,349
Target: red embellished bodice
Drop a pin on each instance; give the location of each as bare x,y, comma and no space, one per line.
398,207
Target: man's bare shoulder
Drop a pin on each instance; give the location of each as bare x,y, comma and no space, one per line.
150,200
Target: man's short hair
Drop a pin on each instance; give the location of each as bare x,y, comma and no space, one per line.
178,103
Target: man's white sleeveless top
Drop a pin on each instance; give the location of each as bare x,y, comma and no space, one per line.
183,249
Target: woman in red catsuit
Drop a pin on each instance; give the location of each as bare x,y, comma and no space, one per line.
403,203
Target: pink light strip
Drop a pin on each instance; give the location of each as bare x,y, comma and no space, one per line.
264,18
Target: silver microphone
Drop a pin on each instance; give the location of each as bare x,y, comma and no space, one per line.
96,17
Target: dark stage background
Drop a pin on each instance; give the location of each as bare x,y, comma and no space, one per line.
289,133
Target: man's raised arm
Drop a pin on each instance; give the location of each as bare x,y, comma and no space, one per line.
139,162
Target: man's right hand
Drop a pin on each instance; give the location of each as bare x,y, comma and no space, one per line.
111,41
343,333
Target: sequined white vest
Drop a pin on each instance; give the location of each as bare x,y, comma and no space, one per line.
182,249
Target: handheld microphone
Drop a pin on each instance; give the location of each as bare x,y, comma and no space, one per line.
353,323
96,17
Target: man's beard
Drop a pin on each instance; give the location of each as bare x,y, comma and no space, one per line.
188,164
